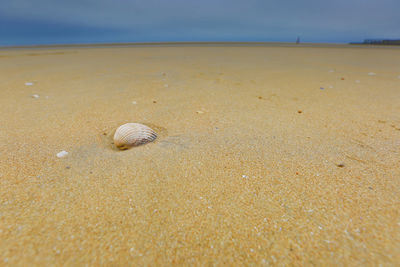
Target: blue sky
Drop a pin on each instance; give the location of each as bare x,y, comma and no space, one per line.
27,22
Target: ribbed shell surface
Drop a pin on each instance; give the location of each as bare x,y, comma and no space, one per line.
133,134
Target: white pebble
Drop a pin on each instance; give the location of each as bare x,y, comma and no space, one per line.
134,102
35,96
371,73
62,154
245,176
28,84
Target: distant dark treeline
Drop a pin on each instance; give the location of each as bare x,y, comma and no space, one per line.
379,42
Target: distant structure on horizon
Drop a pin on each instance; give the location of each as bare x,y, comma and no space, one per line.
379,42
298,40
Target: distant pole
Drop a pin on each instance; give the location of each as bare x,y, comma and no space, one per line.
298,40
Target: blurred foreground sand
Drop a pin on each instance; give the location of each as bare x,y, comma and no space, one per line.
265,155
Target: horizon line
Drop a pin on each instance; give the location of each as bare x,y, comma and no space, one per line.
182,43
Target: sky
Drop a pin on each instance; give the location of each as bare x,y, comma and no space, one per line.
31,22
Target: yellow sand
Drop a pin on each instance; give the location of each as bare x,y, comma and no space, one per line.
254,163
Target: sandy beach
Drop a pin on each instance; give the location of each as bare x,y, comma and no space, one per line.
266,155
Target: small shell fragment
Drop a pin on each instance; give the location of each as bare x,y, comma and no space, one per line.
35,96
371,73
133,134
28,84
62,154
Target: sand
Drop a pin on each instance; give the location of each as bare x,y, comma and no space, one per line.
266,156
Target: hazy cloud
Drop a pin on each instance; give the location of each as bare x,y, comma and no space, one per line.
184,20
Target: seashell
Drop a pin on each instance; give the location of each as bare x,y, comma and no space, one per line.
62,154
133,134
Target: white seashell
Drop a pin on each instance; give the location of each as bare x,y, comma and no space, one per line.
28,84
133,134
35,96
62,154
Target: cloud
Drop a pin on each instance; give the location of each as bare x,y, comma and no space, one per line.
216,19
